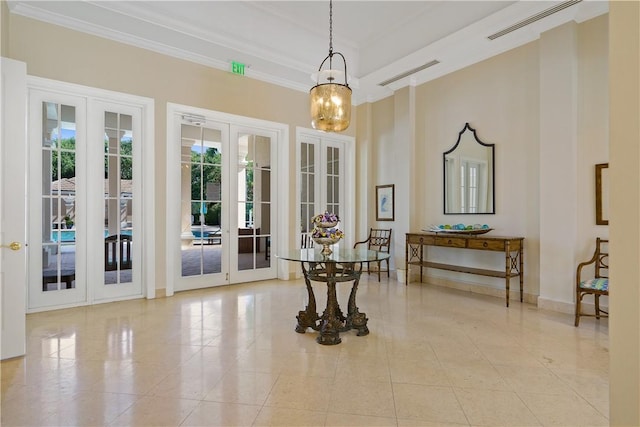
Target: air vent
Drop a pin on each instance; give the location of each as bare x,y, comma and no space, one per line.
408,73
534,18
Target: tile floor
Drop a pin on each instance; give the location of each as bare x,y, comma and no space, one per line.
229,356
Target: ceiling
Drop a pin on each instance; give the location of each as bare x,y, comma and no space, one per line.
284,42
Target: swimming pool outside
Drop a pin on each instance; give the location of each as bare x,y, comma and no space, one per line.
69,236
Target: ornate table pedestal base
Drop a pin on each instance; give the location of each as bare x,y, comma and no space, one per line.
332,321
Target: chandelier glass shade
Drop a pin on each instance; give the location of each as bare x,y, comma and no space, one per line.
330,102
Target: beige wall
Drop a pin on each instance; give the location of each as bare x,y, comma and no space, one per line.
501,98
4,29
624,325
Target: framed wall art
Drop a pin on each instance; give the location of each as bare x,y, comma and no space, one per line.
385,202
602,194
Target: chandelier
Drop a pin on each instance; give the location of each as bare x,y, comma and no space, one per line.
330,101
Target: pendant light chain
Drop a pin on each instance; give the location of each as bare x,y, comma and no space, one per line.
331,37
330,26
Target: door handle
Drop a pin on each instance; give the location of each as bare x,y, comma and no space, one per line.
14,246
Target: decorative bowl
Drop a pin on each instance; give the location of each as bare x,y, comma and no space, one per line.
459,229
326,242
473,231
326,224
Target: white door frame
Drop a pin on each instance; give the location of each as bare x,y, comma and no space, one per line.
93,97
280,181
13,195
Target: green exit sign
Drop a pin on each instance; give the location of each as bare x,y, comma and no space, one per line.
237,68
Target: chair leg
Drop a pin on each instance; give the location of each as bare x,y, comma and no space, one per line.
388,273
597,298
577,309
379,265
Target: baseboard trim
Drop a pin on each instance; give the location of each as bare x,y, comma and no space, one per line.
568,307
559,306
514,292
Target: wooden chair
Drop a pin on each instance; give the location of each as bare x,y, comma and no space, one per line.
306,242
379,240
117,252
596,284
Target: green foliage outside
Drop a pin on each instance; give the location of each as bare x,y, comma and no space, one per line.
67,159
208,169
67,155
126,158
205,169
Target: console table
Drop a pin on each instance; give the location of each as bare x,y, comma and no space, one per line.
511,247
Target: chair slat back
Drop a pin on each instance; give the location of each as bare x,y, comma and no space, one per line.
602,258
117,252
379,239
306,242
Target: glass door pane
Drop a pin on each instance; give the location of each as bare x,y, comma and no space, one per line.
118,198
308,206
201,214
58,197
333,180
254,202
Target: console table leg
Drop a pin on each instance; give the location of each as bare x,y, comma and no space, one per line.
507,270
521,273
507,289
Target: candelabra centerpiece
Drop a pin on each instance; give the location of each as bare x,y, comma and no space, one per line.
325,232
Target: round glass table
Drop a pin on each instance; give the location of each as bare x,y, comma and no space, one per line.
344,265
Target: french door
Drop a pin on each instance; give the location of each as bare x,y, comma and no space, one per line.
222,169
324,181
58,199
85,199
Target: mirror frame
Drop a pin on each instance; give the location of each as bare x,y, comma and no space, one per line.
492,179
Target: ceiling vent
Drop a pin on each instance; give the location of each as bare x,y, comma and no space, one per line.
534,18
408,73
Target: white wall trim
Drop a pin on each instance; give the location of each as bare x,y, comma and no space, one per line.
561,306
13,179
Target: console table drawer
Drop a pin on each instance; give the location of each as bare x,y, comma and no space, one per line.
486,244
419,239
452,242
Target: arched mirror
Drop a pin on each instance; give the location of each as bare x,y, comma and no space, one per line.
469,179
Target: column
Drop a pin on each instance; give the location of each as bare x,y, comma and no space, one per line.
558,166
